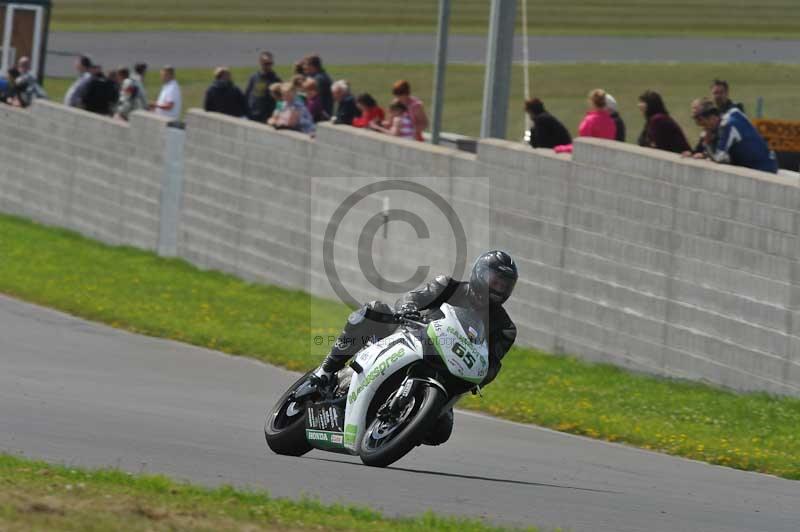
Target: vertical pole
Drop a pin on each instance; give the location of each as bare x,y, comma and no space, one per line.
760,107
497,83
441,66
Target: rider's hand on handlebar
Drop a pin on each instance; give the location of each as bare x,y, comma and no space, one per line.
409,311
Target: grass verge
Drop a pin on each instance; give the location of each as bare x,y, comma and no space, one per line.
38,496
563,87
135,290
721,18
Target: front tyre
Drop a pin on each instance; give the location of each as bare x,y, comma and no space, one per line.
386,441
285,426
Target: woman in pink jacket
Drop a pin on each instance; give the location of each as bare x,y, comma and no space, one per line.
597,122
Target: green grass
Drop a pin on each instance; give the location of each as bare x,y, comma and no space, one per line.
138,291
722,18
563,87
38,496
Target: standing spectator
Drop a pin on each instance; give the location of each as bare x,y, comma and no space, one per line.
76,91
547,130
660,131
400,123
129,98
101,95
720,95
169,99
293,114
138,75
416,111
598,122
371,112
737,141
611,102
312,68
314,101
707,137
260,102
26,87
346,108
225,97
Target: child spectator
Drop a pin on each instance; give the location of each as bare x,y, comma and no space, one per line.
346,108
314,101
611,103
547,130
293,114
736,141
400,123
371,112
720,94
260,102
225,97
416,111
660,131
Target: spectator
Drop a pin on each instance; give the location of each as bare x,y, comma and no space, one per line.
5,87
76,91
611,102
129,98
700,151
26,87
346,108
314,101
660,130
275,92
9,93
719,93
547,130
225,97
297,82
260,102
598,122
138,75
101,95
169,99
371,112
737,141
400,123
416,111
293,114
312,68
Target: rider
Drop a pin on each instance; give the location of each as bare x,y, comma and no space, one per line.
491,282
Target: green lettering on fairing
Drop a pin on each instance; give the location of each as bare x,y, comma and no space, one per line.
373,374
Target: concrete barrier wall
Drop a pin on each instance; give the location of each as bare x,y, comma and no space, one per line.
628,255
69,168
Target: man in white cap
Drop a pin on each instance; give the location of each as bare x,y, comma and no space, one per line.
611,103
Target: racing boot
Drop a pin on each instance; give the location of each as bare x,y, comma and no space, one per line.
441,432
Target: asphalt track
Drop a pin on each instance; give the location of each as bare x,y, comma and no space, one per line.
85,394
209,49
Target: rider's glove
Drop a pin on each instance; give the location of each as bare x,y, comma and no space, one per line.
409,311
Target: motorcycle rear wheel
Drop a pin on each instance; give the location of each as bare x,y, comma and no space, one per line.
399,441
285,433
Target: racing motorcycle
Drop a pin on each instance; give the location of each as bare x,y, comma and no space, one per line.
388,399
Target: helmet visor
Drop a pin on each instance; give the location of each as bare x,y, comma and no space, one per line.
498,285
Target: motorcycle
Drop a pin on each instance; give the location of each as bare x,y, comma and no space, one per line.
388,399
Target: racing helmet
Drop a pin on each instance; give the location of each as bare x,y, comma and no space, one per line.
493,277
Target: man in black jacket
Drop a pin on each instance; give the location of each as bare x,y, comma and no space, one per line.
101,93
720,93
259,99
346,108
491,283
225,97
547,130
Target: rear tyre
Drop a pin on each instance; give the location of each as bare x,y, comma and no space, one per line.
387,442
285,426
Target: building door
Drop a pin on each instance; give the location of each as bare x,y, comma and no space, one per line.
21,34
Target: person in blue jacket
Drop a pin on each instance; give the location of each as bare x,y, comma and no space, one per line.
736,140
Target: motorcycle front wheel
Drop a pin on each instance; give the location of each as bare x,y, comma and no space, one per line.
387,441
285,426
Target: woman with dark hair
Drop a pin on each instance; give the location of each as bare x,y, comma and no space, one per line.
547,130
660,130
370,111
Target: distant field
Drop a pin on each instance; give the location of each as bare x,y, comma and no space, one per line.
562,87
766,18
